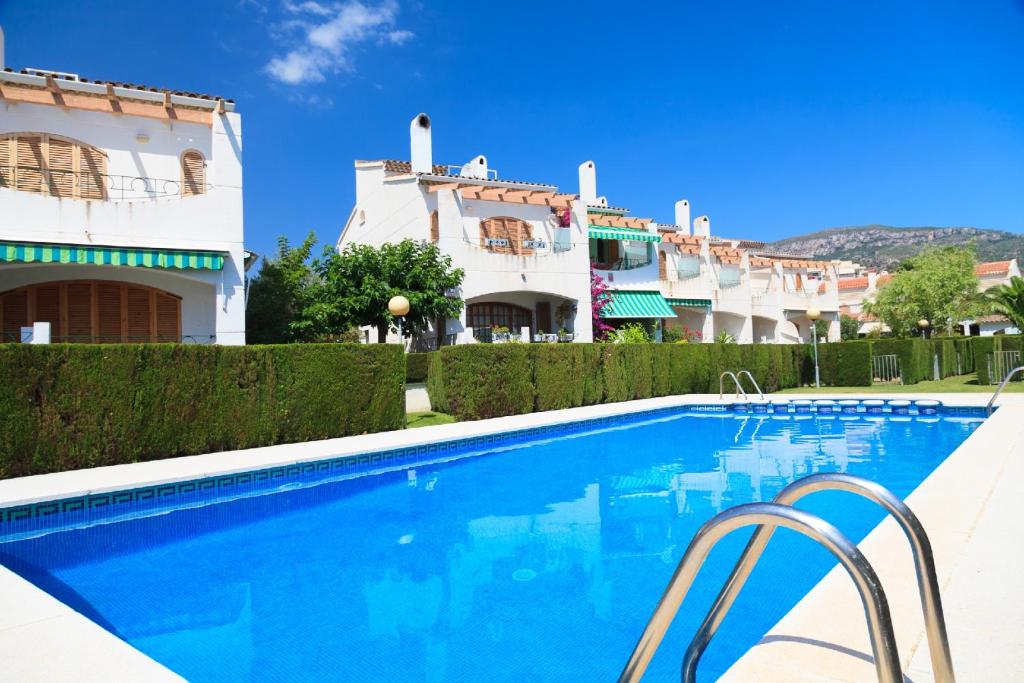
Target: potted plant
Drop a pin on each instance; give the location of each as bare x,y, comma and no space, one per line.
539,336
565,335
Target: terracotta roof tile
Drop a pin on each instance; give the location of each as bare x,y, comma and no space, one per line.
853,283
992,268
120,84
395,166
991,319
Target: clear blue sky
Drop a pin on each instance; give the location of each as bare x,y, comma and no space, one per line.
774,118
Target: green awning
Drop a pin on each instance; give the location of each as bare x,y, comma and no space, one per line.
630,304
31,252
690,303
599,232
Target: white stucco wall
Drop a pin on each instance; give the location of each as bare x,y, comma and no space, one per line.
212,221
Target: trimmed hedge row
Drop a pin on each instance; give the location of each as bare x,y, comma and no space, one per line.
915,357
986,345
478,381
416,366
71,406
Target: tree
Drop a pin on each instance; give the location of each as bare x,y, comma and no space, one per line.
599,299
937,285
1008,300
849,328
275,312
359,281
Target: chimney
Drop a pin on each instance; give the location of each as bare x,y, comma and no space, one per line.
683,215
420,153
702,226
588,182
475,168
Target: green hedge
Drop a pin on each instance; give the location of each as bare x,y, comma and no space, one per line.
416,366
71,406
846,364
477,381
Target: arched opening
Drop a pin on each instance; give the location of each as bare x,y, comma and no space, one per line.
52,165
505,235
92,312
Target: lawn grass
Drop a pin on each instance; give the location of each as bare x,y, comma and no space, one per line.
962,384
428,418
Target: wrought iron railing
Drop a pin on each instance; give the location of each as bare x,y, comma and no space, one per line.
97,186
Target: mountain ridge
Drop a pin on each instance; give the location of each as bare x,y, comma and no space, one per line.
884,246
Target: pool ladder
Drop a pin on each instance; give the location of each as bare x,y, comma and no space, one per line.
780,512
739,385
999,389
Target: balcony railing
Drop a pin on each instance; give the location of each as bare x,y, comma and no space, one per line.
688,271
96,186
623,264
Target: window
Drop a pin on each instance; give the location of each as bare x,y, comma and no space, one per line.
52,165
487,315
92,311
504,235
193,173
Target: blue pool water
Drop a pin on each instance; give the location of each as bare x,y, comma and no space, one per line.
539,561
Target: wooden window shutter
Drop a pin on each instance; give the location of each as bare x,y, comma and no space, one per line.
15,314
435,226
31,161
193,173
79,307
108,299
511,229
662,265
47,307
61,167
137,314
92,171
168,318
8,159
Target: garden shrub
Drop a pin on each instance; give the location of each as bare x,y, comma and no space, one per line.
436,387
845,364
416,366
73,406
488,380
915,357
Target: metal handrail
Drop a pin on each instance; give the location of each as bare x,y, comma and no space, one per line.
739,387
753,381
876,607
999,389
924,564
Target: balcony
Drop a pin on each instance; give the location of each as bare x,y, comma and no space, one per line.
624,263
89,185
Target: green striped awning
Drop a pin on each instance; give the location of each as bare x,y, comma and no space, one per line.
690,303
630,304
599,232
31,252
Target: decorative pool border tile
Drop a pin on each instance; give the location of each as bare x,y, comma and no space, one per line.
41,516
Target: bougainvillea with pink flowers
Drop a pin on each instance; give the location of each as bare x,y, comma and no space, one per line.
599,299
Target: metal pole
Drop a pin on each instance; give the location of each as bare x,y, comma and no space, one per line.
817,378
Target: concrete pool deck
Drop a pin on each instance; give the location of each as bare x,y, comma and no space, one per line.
966,505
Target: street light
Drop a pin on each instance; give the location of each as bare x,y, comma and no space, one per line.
923,324
813,314
398,306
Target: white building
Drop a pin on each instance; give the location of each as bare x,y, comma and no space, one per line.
120,211
528,249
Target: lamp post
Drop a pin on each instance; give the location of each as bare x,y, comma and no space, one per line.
813,314
923,325
398,306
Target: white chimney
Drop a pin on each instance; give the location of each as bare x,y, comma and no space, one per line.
702,226
2,64
420,153
588,182
475,168
683,215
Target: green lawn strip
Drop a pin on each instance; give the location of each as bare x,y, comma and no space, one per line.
961,384
428,418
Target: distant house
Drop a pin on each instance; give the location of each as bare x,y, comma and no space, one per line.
528,249
120,211
992,274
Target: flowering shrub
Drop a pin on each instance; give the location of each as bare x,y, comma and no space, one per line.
599,299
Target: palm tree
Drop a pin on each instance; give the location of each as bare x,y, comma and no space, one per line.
1008,299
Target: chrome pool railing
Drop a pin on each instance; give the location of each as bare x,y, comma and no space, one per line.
924,565
739,387
771,515
752,381
999,389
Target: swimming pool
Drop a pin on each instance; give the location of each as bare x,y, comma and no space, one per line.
540,560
